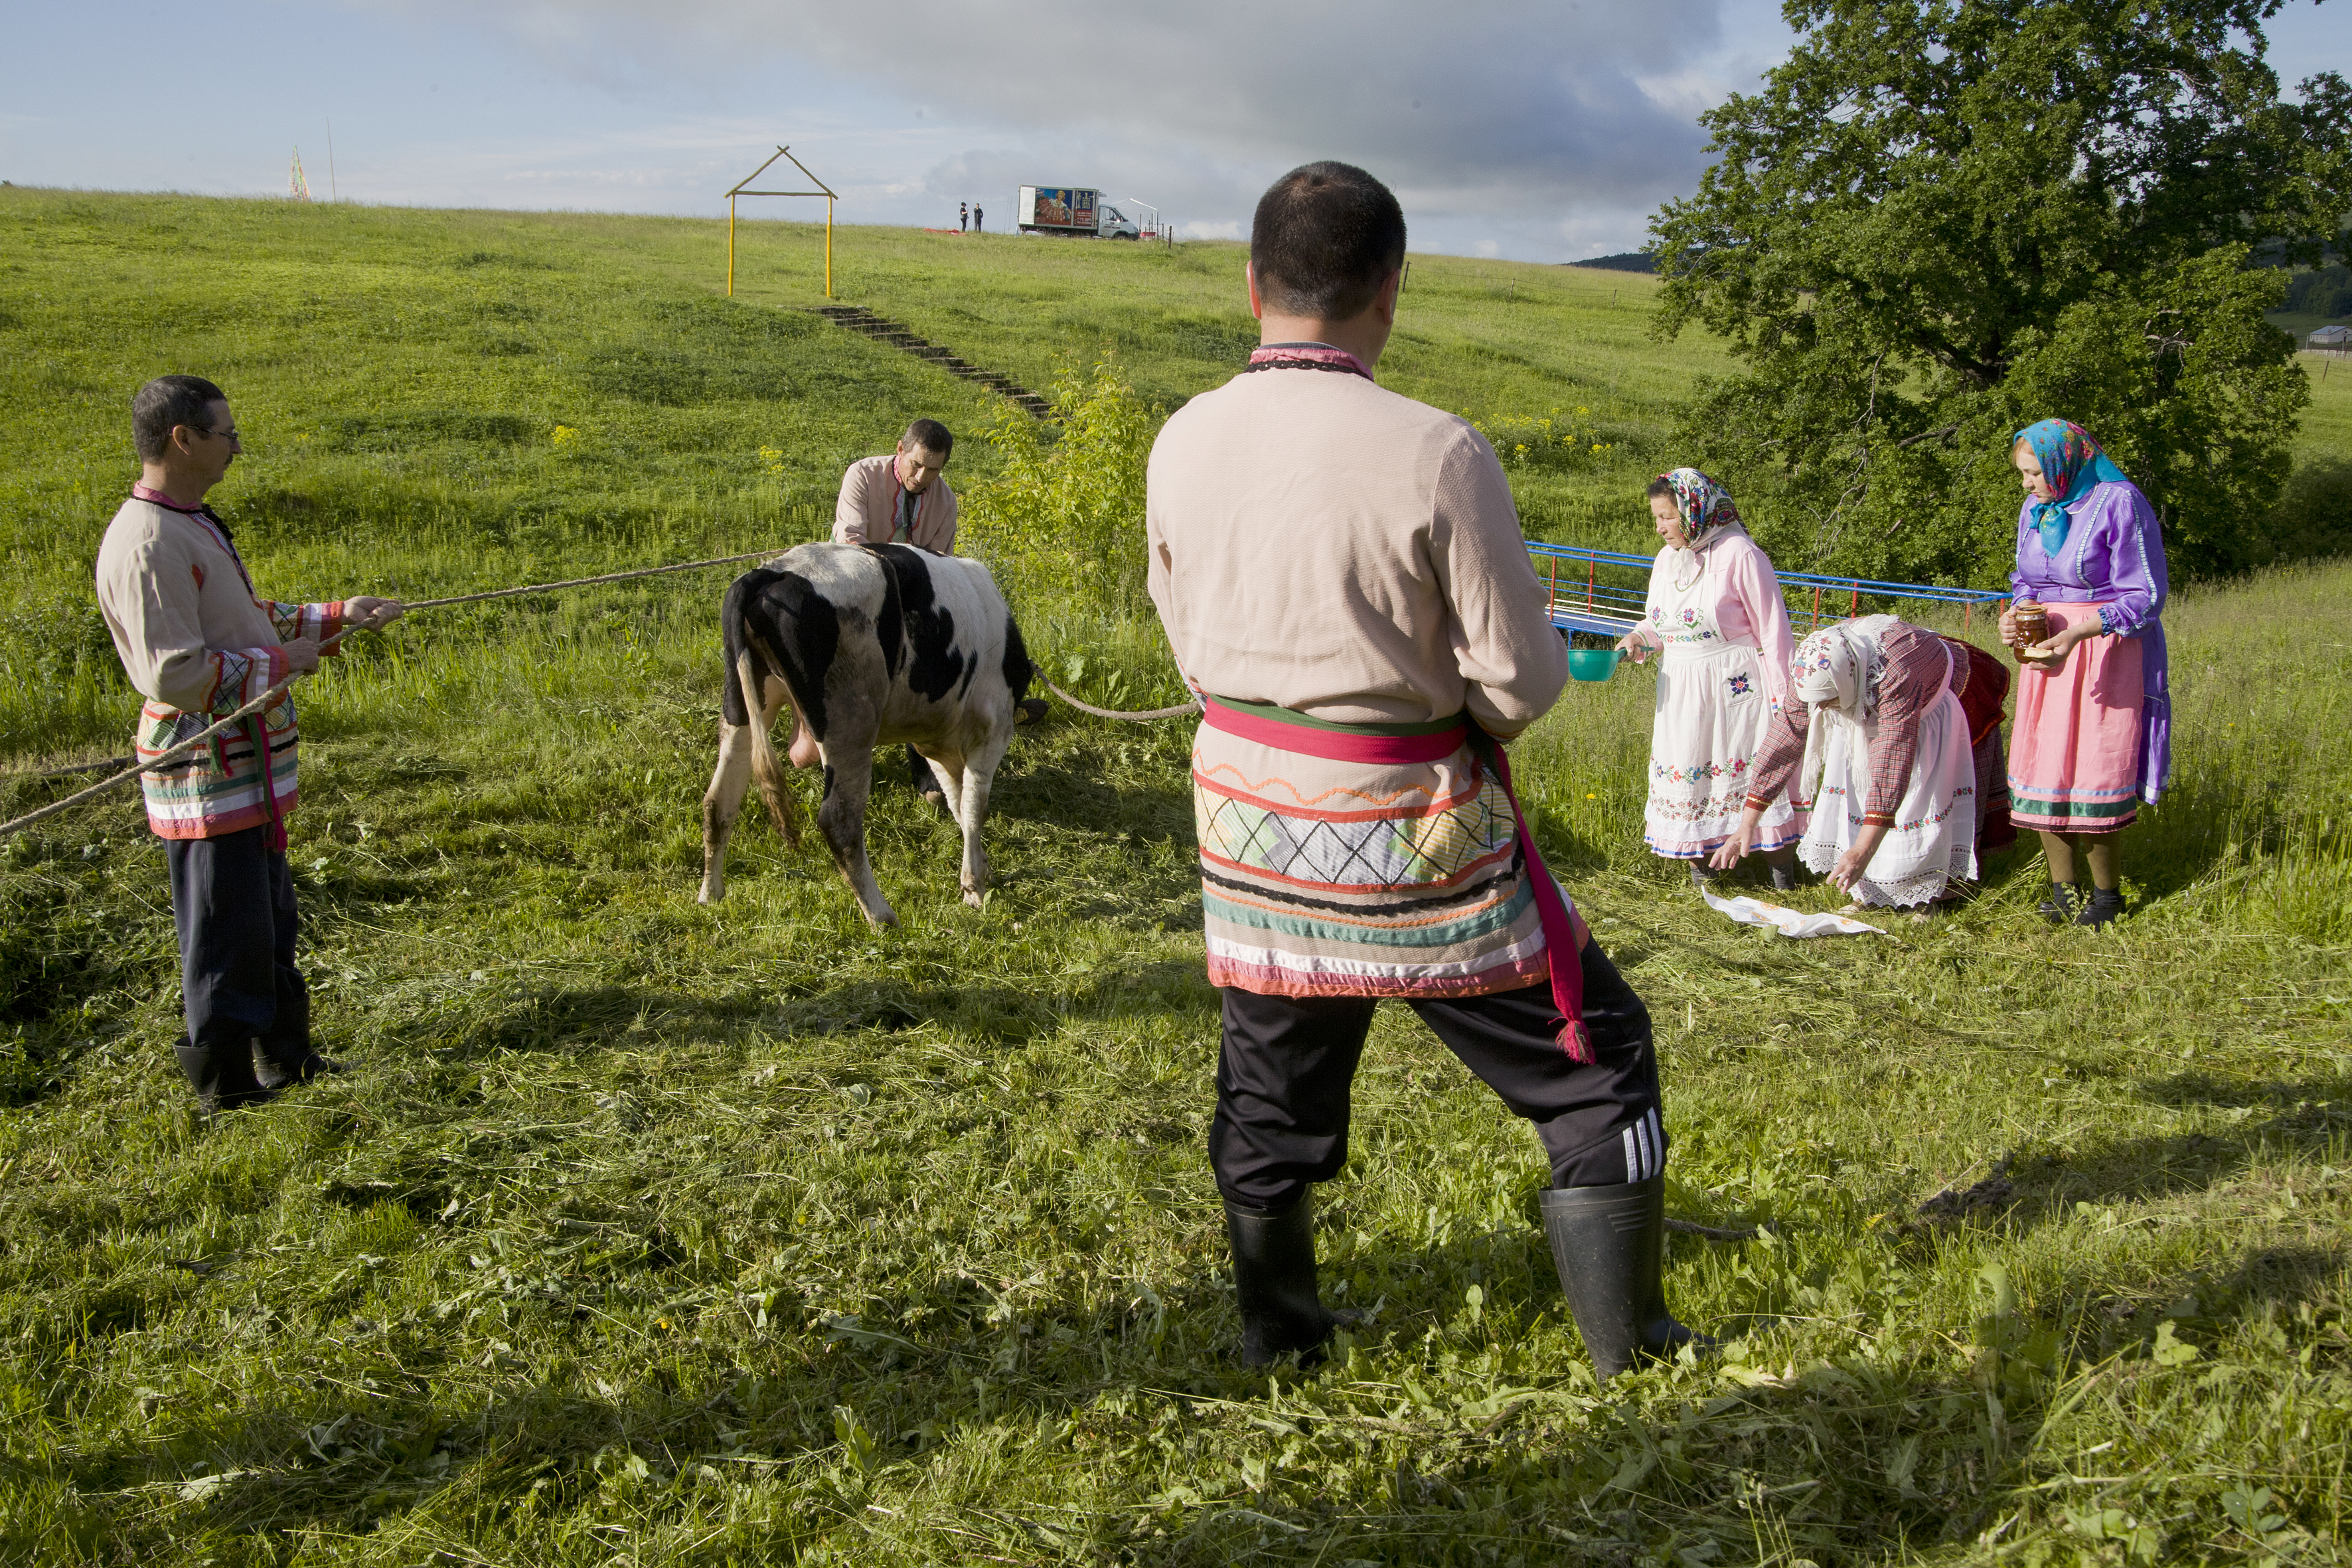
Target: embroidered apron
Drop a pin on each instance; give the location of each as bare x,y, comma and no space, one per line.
1712,712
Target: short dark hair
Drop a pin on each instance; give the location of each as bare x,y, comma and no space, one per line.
167,401
930,436
1324,237
1662,485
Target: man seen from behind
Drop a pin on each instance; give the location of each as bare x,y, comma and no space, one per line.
1341,575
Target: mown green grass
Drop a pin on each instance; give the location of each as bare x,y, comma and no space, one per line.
647,1232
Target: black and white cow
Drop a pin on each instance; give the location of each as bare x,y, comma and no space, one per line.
867,646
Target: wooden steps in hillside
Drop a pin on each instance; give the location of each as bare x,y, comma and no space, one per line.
858,318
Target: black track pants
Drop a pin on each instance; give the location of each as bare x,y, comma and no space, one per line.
233,901
1288,1063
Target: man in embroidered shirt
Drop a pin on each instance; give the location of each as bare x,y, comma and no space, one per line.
198,642
901,496
1340,572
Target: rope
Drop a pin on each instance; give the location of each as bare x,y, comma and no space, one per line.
269,697
1106,714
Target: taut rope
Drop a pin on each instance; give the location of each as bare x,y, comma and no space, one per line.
269,697
272,695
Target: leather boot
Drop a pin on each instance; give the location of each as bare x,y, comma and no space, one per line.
1608,1244
282,1066
2106,904
288,1057
221,1073
2058,909
1274,1277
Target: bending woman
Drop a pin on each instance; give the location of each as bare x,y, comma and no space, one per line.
2094,734
1715,607
1889,770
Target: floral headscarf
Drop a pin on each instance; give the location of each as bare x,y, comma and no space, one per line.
2071,463
1836,673
1706,506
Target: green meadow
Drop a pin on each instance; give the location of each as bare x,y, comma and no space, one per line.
646,1233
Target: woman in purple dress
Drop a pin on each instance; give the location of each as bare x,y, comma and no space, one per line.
2093,732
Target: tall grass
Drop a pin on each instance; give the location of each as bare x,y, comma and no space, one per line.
652,1233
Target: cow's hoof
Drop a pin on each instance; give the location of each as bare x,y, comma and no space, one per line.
710,895
975,897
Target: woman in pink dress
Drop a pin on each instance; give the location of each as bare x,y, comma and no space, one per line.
2092,740
1714,609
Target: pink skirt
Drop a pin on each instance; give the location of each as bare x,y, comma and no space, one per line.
2074,753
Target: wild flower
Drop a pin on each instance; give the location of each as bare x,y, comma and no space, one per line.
772,459
565,436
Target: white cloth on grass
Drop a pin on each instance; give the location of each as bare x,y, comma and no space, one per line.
1752,911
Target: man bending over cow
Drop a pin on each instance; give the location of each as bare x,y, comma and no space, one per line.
902,498
1341,573
199,642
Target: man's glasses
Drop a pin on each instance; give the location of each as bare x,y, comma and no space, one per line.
228,435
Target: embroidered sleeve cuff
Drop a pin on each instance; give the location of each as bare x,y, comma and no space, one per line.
1878,819
245,674
1758,803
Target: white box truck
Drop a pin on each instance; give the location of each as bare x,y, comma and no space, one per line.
1073,209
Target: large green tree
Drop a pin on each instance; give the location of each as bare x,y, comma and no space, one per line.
1939,221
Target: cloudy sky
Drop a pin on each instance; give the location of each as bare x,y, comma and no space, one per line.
1543,132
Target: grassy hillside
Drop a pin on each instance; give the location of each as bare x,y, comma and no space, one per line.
650,1233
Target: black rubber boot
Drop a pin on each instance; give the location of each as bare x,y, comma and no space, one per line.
1784,874
287,1055
221,1074
2106,904
1609,1246
1700,874
2058,909
1274,1277
282,1066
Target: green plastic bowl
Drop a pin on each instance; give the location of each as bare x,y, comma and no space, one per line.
1592,663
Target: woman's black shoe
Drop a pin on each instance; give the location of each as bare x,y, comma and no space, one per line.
2106,904
2058,909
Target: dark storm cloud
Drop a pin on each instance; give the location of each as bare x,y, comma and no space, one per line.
1494,108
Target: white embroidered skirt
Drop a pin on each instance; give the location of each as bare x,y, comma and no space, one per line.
1934,839
1710,722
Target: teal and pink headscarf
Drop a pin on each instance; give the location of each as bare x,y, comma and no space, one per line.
1706,506
2071,463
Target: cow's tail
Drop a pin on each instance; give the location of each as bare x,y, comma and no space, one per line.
767,768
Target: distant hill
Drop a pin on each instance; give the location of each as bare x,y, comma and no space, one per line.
1629,262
